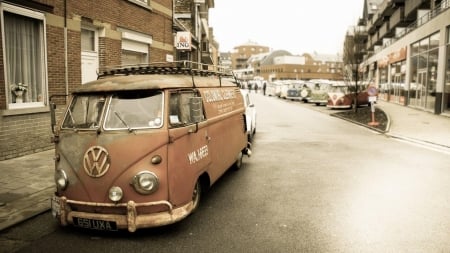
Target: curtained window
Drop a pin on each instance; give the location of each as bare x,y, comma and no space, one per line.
24,57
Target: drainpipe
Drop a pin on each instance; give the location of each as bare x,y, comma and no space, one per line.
66,67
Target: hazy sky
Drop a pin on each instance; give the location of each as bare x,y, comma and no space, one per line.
298,26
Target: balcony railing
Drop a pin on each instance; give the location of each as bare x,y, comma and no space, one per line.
443,6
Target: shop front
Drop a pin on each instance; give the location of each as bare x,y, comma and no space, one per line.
424,65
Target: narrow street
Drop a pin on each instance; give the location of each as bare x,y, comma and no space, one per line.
314,183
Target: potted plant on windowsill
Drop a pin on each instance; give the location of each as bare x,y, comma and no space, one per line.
18,90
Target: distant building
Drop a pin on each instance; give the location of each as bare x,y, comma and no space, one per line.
251,61
282,66
225,62
241,54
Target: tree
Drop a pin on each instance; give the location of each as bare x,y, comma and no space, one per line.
354,48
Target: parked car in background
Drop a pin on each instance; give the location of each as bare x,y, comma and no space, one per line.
285,85
250,115
305,91
293,92
319,92
271,89
342,97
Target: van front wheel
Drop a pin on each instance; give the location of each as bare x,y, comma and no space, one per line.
196,195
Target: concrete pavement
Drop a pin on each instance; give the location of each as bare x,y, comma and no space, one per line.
26,183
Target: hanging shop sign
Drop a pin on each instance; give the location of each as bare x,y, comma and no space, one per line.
183,41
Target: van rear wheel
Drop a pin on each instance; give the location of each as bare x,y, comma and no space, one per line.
196,195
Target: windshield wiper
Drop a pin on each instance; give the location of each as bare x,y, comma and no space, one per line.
123,121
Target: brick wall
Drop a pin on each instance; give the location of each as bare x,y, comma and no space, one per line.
24,134
29,132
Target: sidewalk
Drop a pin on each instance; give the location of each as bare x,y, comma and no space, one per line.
414,125
26,183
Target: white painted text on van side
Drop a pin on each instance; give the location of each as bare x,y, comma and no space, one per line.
197,155
219,95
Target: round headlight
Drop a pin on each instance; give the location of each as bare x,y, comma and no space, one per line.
115,194
145,182
61,180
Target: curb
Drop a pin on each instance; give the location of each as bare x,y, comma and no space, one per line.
365,125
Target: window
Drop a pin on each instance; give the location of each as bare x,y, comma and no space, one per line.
135,47
23,34
179,112
88,40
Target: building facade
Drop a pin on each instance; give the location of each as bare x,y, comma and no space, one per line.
51,47
242,53
407,52
192,16
301,67
253,62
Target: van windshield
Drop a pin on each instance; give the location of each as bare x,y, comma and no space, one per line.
84,112
135,110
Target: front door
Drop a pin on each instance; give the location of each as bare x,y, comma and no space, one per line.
89,55
419,90
188,148
397,87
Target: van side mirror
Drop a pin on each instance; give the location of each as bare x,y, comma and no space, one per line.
196,109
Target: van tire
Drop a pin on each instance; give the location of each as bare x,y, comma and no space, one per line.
238,163
196,195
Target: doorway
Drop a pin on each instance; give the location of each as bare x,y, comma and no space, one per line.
418,90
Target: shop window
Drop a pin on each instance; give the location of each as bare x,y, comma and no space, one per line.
24,57
446,95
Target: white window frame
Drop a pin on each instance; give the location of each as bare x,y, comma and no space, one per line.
144,3
35,15
95,30
136,42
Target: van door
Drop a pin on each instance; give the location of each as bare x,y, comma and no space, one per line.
188,150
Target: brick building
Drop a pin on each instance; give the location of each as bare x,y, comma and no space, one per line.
50,47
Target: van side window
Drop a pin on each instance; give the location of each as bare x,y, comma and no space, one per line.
179,109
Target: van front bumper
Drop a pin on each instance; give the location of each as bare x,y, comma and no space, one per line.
131,220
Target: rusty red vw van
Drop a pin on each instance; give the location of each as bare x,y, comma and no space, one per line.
137,147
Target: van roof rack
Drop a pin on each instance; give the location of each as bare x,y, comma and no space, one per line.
163,68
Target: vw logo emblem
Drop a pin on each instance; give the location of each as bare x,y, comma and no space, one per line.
96,161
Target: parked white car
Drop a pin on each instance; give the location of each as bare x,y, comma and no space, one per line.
250,115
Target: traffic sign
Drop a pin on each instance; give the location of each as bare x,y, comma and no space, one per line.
372,90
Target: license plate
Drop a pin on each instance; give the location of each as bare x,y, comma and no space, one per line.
95,224
56,207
